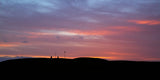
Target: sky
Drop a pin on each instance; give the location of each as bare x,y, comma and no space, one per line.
108,29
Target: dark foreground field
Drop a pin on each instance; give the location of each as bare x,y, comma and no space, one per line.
81,67
80,64
76,61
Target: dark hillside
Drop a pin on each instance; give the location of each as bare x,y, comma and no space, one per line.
81,61
78,65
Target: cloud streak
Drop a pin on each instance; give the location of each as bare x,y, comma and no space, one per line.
146,22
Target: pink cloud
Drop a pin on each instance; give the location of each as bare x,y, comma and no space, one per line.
126,28
147,22
8,45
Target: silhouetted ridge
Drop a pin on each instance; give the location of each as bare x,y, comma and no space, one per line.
77,61
27,61
55,61
85,60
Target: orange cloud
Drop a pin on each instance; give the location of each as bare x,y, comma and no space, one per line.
8,45
12,44
147,22
104,32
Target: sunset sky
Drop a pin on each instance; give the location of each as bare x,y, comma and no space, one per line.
108,29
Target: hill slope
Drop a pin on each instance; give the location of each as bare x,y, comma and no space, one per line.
77,65
81,61
55,61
